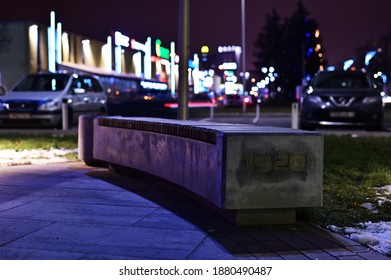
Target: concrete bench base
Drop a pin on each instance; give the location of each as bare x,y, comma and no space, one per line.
257,175
263,216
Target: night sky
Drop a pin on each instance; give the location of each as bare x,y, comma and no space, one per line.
344,24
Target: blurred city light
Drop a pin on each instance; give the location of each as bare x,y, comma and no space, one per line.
369,56
347,64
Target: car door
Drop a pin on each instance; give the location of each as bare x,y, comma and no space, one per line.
89,96
80,102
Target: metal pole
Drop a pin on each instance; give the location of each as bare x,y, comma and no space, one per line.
65,123
184,30
386,62
257,111
243,46
295,116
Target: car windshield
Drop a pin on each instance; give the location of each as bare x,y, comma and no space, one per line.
49,82
342,81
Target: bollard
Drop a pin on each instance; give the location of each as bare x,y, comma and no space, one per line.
295,115
212,110
257,110
65,122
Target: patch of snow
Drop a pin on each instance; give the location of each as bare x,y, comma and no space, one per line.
369,206
39,156
382,193
386,190
374,235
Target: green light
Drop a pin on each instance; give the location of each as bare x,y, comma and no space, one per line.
161,51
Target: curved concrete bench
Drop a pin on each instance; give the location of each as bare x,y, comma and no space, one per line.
256,174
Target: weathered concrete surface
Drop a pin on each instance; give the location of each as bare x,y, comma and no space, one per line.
280,169
248,168
189,163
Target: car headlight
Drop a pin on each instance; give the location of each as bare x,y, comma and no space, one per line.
313,99
371,99
3,106
49,105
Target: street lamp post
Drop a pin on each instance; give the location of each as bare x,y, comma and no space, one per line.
184,30
243,46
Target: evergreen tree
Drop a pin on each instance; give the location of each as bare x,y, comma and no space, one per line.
269,43
302,47
269,47
293,48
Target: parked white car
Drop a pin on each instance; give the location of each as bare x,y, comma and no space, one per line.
39,99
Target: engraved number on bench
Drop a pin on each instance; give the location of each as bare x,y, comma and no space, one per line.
265,163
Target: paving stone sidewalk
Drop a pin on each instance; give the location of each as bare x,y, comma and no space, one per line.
72,211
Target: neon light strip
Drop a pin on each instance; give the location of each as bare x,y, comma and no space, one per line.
172,77
52,44
109,56
118,57
147,59
59,42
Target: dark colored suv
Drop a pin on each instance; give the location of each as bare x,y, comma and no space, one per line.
344,98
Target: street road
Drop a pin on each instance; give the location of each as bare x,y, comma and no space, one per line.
263,119
285,120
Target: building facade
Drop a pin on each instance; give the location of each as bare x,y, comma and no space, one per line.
26,47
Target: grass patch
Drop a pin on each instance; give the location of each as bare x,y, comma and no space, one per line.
355,170
72,157
30,142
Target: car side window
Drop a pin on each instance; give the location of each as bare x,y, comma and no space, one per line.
96,85
89,84
77,83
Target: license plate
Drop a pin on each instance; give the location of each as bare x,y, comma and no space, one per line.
342,114
19,116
